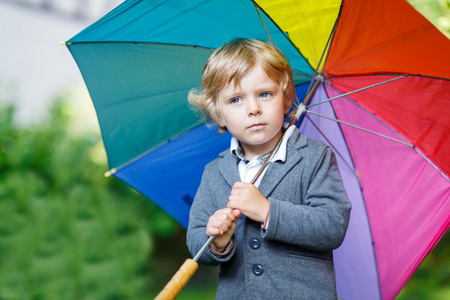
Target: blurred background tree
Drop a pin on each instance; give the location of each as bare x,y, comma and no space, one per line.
436,11
66,232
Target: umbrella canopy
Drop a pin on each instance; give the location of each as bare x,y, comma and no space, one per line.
385,68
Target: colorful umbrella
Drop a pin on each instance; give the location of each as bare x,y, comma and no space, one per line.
381,99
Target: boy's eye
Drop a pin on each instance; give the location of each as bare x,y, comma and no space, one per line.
264,95
235,100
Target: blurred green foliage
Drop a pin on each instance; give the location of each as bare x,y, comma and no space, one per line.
66,232
436,11
432,279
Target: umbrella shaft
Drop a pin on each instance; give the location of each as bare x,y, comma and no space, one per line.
211,238
206,245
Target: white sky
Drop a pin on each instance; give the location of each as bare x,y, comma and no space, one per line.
33,62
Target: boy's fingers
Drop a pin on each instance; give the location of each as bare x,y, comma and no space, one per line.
222,224
222,221
240,184
229,213
218,225
213,231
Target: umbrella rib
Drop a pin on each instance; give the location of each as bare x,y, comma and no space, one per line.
125,164
259,8
387,74
360,128
331,144
316,71
358,90
262,20
378,134
431,163
69,43
303,73
374,116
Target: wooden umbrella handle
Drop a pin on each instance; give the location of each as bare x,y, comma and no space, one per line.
179,280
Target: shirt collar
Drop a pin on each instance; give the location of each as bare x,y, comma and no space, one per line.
236,148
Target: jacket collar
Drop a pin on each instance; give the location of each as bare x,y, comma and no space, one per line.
276,170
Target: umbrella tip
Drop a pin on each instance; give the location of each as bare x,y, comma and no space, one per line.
320,78
65,43
300,109
110,172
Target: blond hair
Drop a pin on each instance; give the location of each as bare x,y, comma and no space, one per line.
230,63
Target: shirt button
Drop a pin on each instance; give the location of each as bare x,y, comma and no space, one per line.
258,270
255,244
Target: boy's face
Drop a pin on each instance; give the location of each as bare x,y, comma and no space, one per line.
253,111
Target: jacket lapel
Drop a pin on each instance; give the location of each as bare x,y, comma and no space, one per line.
277,170
228,167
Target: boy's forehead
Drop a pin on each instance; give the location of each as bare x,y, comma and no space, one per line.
233,83
261,81
230,87
234,79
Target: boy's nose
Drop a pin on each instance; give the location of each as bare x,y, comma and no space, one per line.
254,108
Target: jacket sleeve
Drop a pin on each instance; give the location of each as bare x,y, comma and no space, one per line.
321,220
202,208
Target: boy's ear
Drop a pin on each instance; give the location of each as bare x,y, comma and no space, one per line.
288,106
219,121
221,124
221,128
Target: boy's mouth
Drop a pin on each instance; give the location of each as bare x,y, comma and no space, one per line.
256,126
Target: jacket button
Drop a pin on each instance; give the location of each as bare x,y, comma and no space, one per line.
255,244
258,270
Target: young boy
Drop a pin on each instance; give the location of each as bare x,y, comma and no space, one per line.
274,239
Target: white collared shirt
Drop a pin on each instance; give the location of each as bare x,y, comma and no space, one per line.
248,169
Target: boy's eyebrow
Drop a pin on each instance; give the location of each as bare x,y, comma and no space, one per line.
236,89
228,96
268,87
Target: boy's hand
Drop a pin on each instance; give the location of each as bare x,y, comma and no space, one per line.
248,199
222,224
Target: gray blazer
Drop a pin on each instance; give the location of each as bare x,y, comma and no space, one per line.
309,214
